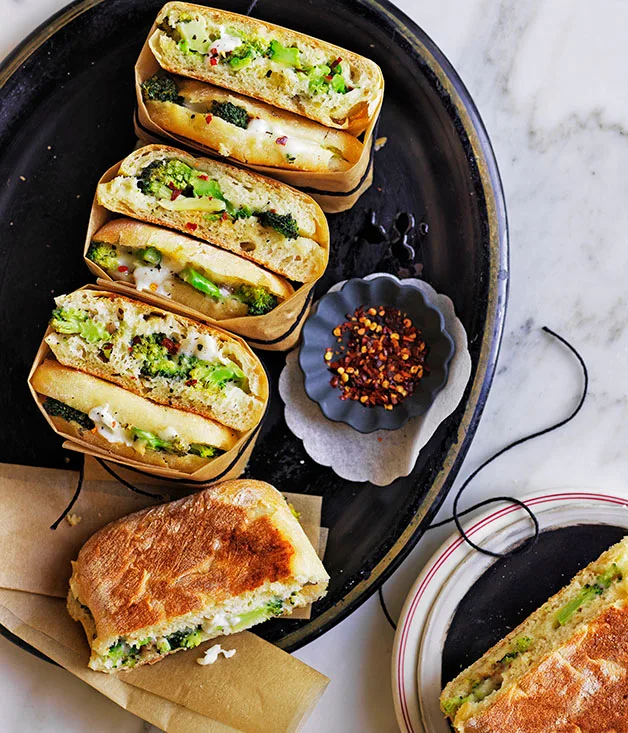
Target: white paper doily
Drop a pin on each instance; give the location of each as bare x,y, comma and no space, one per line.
384,455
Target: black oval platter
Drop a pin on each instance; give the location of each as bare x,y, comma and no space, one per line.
66,107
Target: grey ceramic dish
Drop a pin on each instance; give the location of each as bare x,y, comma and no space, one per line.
331,310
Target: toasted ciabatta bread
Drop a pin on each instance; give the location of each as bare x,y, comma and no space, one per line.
216,283
245,129
256,217
564,669
290,70
173,576
120,422
170,359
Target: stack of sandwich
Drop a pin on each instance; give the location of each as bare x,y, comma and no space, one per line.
146,387
244,243
255,92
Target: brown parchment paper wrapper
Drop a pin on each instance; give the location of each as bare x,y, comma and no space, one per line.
334,191
278,330
261,688
230,464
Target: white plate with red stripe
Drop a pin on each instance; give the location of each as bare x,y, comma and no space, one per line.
432,602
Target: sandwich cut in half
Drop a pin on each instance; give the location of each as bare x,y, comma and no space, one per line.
169,359
565,668
216,283
256,217
290,70
173,576
247,130
113,419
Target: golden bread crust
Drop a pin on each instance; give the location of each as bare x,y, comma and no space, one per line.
247,147
167,561
302,259
354,119
582,687
137,235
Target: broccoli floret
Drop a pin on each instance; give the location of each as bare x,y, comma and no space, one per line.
159,356
285,224
318,78
217,375
160,359
289,56
205,451
521,645
154,442
242,213
231,113
149,256
258,299
162,88
161,177
338,83
192,640
275,606
117,652
71,320
187,638
450,707
244,55
59,409
163,646
103,254
176,640
200,282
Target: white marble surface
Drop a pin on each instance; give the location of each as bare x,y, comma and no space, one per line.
549,79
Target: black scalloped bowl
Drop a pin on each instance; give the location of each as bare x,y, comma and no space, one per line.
332,309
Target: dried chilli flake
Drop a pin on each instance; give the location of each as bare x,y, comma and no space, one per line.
380,358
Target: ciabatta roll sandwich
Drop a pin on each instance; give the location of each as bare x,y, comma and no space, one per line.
198,275
286,69
171,577
114,420
244,129
171,360
565,668
255,217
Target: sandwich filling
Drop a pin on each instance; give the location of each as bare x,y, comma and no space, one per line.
174,185
153,354
126,652
103,421
163,88
152,271
311,71
166,358
545,630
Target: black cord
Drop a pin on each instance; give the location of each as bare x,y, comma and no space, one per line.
66,511
528,544
525,546
382,603
129,485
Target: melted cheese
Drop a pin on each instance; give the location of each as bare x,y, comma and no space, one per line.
225,44
208,351
192,204
294,146
154,279
212,654
108,426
